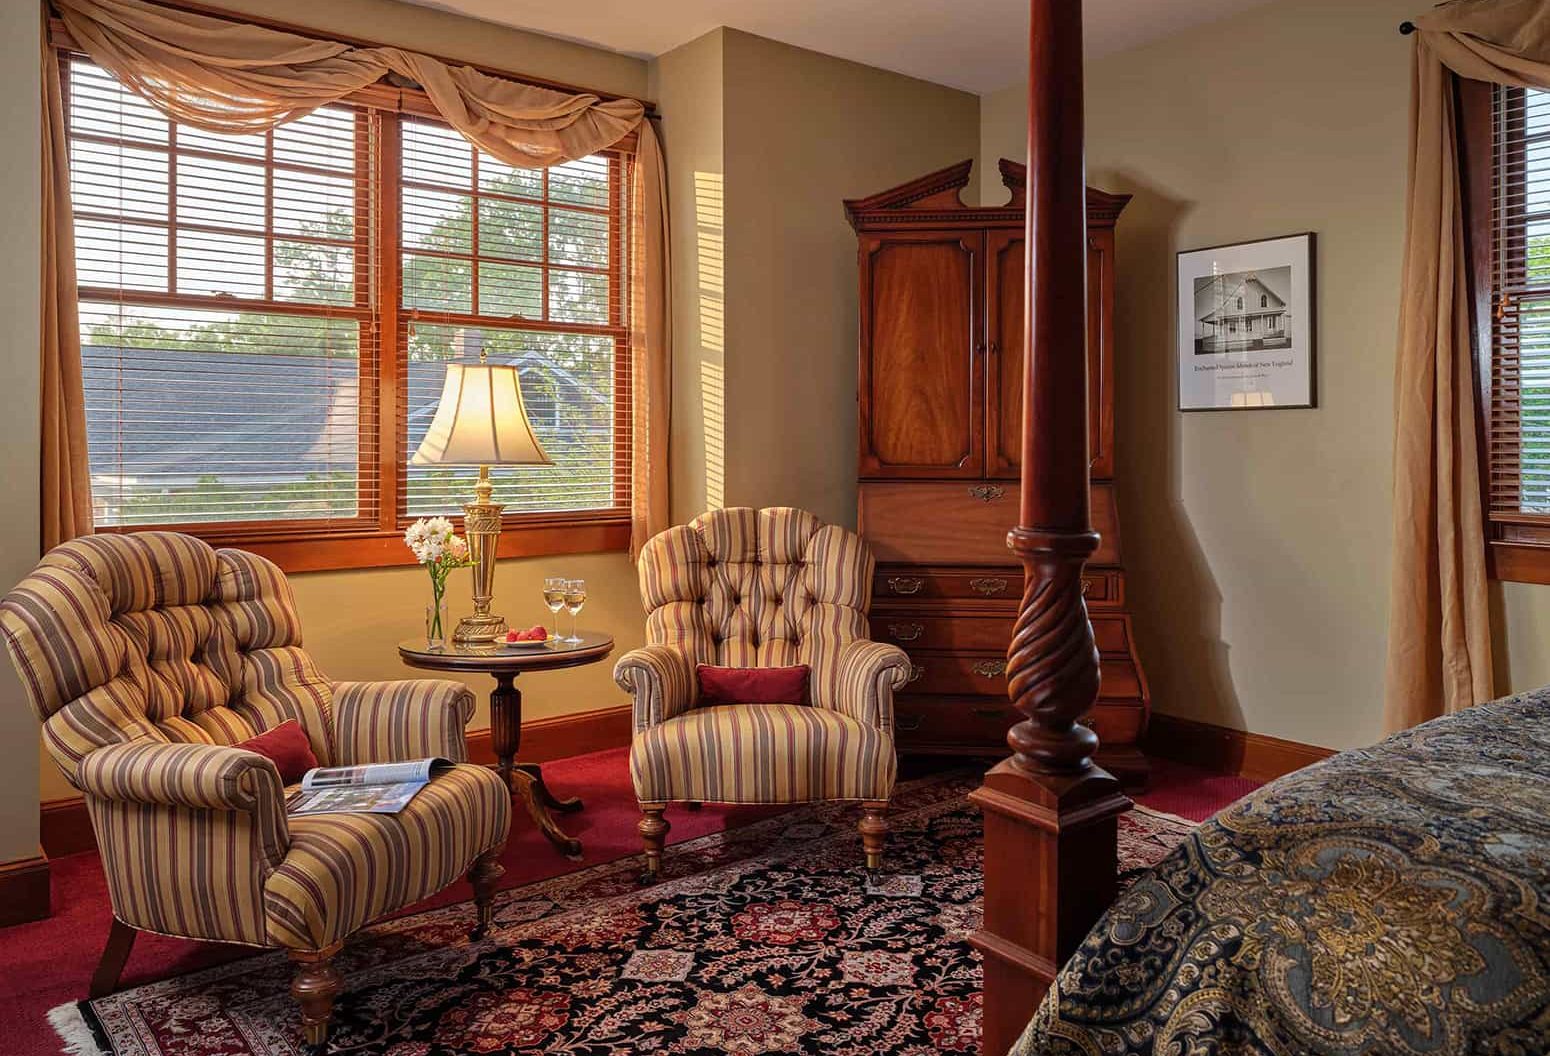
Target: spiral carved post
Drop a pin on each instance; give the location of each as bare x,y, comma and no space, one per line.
1051,816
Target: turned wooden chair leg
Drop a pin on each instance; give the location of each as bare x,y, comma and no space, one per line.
121,939
314,986
874,833
485,875
653,833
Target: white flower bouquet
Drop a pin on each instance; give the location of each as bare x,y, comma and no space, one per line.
437,546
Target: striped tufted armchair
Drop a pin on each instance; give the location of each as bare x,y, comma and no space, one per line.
760,588
147,656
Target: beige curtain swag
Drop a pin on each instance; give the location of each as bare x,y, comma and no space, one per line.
225,76
1439,652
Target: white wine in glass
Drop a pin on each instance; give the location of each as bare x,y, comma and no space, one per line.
575,598
554,597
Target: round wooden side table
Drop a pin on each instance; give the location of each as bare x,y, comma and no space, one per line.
504,665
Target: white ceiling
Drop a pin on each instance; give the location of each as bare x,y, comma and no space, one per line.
976,45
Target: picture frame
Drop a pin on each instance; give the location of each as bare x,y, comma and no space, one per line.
1246,327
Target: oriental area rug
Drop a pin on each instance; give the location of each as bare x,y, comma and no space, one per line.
761,939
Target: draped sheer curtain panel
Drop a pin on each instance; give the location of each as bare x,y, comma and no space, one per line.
339,219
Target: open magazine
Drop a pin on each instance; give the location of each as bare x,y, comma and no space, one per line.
379,788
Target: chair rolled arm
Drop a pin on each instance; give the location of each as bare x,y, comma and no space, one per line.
387,722
188,834
870,672
661,680
199,776
177,774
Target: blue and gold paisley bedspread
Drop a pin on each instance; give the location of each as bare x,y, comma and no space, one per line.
1394,899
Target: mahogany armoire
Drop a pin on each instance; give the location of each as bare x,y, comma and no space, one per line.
940,412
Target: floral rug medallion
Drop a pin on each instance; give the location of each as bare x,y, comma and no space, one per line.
764,939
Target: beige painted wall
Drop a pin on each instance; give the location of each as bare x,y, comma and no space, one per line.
687,84
20,106
764,141
1258,543
351,620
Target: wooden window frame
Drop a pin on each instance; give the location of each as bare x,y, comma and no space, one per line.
375,537
1517,543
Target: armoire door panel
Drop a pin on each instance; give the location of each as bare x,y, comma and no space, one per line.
1004,354
1004,370
1100,354
921,376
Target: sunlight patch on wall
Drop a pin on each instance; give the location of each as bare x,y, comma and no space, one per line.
710,255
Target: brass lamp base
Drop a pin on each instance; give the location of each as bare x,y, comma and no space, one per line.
479,628
482,526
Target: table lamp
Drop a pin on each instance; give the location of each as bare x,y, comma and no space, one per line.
480,421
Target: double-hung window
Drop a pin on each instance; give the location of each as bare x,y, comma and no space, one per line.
1507,178
266,318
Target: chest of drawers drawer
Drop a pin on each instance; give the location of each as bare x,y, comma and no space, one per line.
1101,588
965,725
916,629
984,674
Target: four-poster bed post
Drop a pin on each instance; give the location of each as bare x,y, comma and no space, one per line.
1050,814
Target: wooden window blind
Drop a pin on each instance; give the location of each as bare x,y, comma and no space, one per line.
1519,423
527,267
225,313
265,321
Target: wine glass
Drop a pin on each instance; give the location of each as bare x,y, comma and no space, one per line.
575,598
554,597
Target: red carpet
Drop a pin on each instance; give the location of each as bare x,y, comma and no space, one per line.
50,962
1190,793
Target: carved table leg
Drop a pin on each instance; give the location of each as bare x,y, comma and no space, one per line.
526,781
505,723
568,805
121,939
314,986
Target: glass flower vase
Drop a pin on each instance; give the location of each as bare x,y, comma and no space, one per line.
436,623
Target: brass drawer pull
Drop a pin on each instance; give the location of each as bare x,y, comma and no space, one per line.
990,668
905,584
906,723
988,586
986,492
905,632
917,672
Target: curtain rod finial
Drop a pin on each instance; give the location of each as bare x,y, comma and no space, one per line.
1406,28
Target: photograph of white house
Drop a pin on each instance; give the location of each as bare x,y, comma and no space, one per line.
1243,311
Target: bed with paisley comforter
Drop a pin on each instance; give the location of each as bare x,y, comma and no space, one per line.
1394,899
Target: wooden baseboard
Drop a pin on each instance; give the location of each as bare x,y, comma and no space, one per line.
66,829
24,894
1228,751
562,736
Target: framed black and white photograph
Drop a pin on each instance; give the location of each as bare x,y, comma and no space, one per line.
1245,332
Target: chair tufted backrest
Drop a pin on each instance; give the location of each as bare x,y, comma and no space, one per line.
155,636
759,588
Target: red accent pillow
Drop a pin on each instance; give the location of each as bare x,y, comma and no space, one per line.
753,685
287,746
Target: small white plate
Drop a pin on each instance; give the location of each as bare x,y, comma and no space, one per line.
523,645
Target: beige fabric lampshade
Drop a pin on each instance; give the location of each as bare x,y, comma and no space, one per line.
480,421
